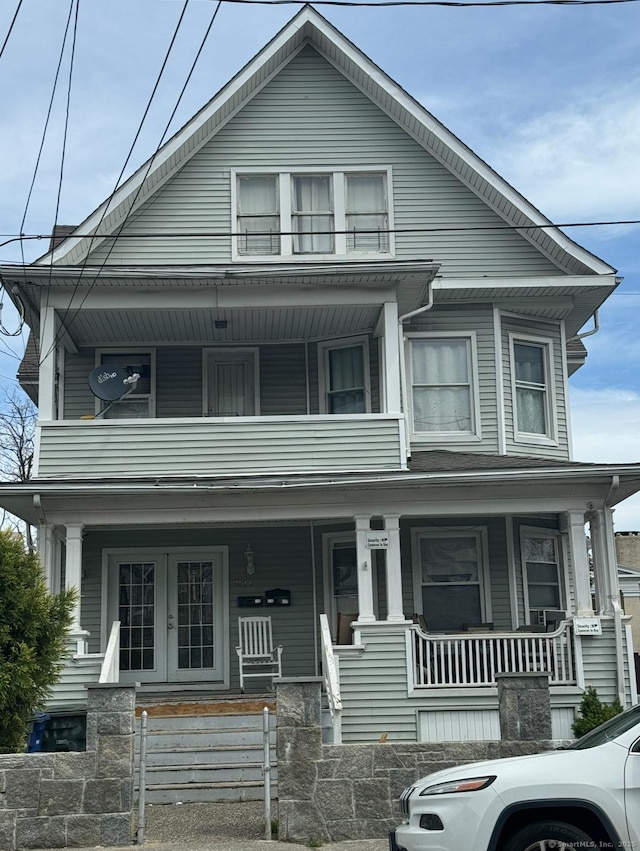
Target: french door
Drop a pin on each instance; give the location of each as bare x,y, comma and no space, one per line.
173,614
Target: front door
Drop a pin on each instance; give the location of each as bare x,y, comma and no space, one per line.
231,383
173,614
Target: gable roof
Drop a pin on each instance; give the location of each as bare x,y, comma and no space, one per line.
309,27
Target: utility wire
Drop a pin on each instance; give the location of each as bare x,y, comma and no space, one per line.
128,157
113,237
226,234
453,3
11,25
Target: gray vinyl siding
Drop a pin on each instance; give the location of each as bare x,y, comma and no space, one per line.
599,660
78,399
282,560
461,320
548,331
373,687
309,116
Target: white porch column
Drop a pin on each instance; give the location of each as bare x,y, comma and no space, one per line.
47,553
601,565
48,361
391,357
365,572
73,579
394,570
579,563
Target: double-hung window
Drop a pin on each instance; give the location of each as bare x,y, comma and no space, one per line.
532,391
542,574
316,213
442,378
449,578
344,377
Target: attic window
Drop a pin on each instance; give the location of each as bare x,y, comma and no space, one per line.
312,214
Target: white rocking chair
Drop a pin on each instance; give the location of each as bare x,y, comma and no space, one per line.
257,657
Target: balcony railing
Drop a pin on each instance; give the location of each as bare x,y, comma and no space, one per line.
445,661
220,446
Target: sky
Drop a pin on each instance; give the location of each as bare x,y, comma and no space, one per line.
548,95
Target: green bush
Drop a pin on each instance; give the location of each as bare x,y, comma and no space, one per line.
593,712
33,630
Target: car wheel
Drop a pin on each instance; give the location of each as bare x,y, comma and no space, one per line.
551,836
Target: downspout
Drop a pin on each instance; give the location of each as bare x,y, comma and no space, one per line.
403,369
594,330
615,598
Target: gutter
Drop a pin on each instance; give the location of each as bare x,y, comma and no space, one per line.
403,367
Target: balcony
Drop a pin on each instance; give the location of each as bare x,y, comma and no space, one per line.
219,446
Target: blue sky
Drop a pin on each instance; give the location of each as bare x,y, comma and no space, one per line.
547,95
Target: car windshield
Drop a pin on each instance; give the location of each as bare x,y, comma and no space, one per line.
611,729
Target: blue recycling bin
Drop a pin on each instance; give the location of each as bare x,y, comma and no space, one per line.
39,722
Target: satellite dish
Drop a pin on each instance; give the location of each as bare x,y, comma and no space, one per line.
110,383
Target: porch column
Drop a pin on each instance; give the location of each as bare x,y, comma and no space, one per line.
601,564
73,579
391,358
47,372
394,569
579,563
47,553
365,573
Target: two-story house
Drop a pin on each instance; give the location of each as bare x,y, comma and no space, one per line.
352,342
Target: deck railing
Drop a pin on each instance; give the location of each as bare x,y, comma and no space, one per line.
444,661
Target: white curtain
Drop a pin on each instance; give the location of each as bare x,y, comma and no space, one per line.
441,388
258,219
530,399
312,214
367,211
449,560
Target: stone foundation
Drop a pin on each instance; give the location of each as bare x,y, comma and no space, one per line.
58,800
336,792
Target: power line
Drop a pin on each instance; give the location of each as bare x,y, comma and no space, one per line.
11,25
226,234
150,163
452,3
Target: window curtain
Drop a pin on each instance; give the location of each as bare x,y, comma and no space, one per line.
346,381
530,400
312,215
450,573
441,389
543,581
367,211
449,560
258,219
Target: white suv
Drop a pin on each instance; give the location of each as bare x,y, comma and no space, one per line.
584,796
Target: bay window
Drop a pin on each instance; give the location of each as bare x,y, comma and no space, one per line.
531,360
327,213
442,385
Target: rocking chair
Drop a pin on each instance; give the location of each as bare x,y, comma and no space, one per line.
257,657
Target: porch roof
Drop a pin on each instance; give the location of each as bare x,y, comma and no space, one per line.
471,476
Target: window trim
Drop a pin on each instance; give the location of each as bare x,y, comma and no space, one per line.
125,350
475,433
339,213
329,540
324,348
550,438
481,535
543,532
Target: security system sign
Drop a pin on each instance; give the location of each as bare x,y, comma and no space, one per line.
378,540
587,626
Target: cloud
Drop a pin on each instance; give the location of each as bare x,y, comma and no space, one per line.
581,161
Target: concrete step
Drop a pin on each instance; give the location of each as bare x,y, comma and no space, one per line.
162,740
203,774
208,793
229,754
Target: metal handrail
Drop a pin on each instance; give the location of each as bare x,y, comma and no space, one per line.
110,670
330,673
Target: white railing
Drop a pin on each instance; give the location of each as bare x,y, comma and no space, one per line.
110,670
330,673
474,659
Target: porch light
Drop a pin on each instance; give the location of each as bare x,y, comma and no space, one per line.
248,557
